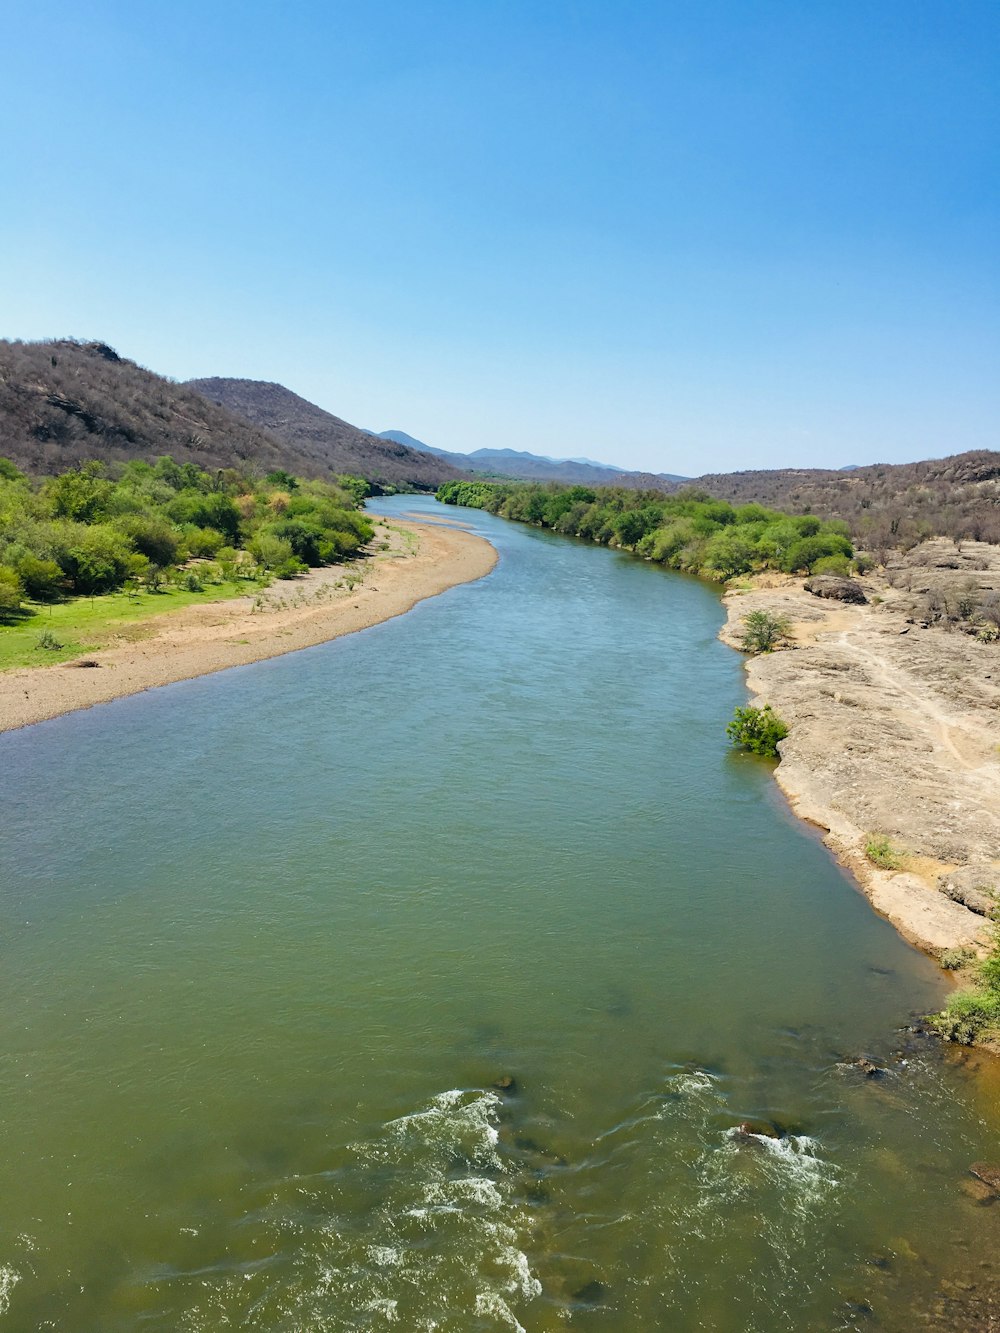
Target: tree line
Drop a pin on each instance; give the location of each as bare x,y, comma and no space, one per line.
98,528
688,530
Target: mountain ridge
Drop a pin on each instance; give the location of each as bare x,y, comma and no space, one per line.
522,465
322,438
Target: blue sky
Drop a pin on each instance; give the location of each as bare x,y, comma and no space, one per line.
686,236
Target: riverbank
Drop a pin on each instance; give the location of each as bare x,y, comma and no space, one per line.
895,732
406,562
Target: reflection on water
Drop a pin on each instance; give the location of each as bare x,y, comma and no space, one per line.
455,976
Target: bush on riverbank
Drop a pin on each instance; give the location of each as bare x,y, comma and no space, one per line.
688,531
974,1013
763,631
758,730
99,528
880,852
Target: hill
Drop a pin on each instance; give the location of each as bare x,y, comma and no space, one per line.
401,437
523,466
320,440
885,504
63,402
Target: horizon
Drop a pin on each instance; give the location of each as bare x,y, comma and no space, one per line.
699,241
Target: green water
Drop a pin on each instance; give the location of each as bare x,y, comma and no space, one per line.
269,937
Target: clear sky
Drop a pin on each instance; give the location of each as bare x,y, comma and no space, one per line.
684,235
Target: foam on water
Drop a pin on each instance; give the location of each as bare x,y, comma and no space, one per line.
416,1226
9,1278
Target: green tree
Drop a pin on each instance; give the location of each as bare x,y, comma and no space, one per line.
763,631
10,593
43,580
758,730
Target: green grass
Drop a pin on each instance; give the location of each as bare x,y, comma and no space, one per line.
881,853
84,624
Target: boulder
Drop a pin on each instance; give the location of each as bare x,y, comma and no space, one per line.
974,886
591,1293
840,589
868,1067
758,1129
989,1175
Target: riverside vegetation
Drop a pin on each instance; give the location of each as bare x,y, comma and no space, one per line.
972,1014
688,531
134,538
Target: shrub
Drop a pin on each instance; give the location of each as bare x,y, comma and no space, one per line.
832,564
11,592
207,511
228,559
204,542
98,560
729,552
804,553
48,641
291,568
151,536
757,729
302,537
270,551
763,630
880,852
969,1014
952,959
43,579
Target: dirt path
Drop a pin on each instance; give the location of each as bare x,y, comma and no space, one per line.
895,732
407,562
895,682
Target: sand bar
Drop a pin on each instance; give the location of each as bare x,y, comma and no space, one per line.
407,563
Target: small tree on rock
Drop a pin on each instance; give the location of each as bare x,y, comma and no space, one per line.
763,631
757,729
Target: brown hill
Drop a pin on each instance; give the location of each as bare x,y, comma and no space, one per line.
886,504
64,402
323,440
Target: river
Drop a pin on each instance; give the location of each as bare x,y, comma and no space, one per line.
270,937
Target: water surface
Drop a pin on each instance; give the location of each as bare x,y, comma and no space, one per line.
269,938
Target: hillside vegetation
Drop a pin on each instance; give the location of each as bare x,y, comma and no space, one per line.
886,506
101,527
688,531
317,439
66,402
63,403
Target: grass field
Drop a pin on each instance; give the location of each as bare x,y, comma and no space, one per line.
85,624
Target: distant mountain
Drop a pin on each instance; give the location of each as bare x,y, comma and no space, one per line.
401,437
523,466
63,402
322,442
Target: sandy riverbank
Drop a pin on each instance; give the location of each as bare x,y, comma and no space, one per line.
407,562
895,730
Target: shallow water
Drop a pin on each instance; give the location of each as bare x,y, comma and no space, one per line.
269,937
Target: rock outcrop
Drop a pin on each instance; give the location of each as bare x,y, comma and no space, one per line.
892,735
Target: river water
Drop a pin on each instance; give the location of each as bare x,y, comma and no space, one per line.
270,937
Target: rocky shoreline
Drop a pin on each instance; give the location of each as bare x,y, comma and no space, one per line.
894,733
